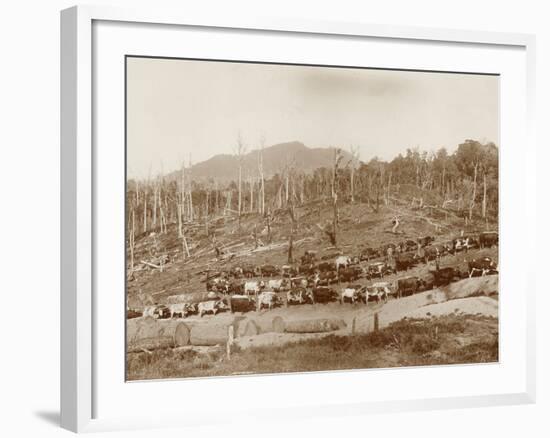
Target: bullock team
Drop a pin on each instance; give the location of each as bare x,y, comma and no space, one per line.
312,280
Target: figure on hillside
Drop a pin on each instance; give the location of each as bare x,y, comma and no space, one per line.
395,223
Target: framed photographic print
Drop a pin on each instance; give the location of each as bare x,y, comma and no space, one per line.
250,206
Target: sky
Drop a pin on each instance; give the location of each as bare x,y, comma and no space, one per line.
184,109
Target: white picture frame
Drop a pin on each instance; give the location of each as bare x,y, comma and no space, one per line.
78,201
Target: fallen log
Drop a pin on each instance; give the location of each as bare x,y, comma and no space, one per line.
150,334
209,334
321,325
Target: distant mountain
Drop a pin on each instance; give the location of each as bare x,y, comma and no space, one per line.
225,167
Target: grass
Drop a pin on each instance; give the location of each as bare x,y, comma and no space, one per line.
451,339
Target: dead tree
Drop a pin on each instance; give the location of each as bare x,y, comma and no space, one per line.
240,150
337,158
261,191
474,193
354,150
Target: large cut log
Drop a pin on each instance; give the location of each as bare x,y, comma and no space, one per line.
321,325
149,333
209,334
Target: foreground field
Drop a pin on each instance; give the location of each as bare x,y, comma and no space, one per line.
449,339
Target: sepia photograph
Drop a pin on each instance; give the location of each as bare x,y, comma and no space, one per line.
288,218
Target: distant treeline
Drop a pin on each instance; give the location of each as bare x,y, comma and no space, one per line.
465,181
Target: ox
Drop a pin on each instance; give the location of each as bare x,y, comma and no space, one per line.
299,282
405,261
425,241
350,293
488,239
326,266
481,267
268,299
149,311
324,294
342,262
213,307
409,286
325,278
278,285
350,274
248,271
378,269
444,276
299,296
368,253
242,303
269,271
378,292
253,287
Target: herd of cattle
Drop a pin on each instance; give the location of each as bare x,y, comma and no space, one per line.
313,280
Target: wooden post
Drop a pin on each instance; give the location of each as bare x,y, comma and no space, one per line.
353,326
230,337
376,322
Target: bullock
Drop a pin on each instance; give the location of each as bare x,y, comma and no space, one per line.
444,276
351,294
425,241
308,257
248,271
481,267
378,269
342,262
308,269
161,312
488,238
178,309
326,266
386,286
213,306
268,299
242,303
330,256
405,261
236,272
149,311
378,292
350,274
269,271
431,253
367,254
218,285
409,286
253,287
131,313
325,278
288,271
463,243
299,295
299,282
236,287
324,294
278,285
409,245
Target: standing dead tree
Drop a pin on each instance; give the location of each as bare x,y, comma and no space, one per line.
261,190
240,150
334,191
354,151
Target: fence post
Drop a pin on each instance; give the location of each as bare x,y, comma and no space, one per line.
230,336
376,322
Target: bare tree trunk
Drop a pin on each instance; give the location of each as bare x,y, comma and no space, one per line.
337,158
484,204
132,241
145,212
474,193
